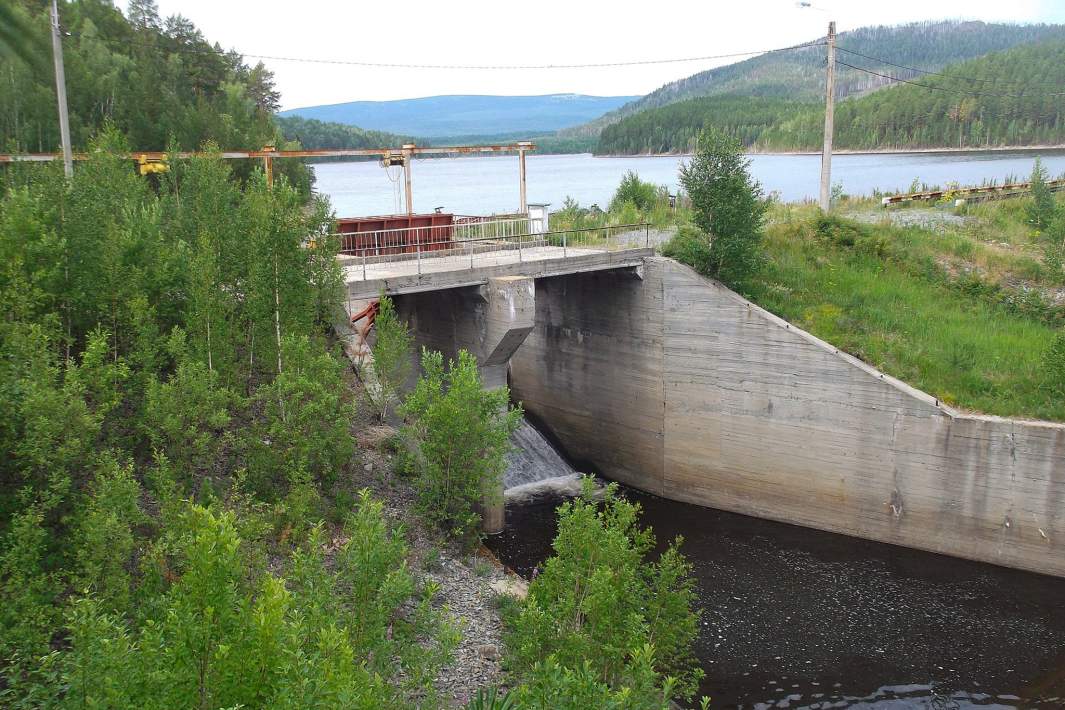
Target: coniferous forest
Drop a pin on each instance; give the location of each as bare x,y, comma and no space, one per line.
1008,98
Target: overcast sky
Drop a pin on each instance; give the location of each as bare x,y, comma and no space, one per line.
542,32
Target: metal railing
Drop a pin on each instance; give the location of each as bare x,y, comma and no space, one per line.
436,249
402,240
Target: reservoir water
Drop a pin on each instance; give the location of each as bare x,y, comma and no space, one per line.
797,618
487,185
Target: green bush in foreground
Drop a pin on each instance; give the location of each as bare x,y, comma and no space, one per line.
463,435
216,629
392,350
602,615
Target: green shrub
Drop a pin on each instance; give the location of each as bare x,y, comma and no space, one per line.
601,607
29,612
1054,364
304,431
690,246
552,685
186,419
226,633
463,435
104,537
643,195
392,352
727,204
1042,210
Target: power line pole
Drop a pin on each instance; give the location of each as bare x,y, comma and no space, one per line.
408,153
61,92
830,110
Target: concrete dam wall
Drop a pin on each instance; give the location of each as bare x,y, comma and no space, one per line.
678,386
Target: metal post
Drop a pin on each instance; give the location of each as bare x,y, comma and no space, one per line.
830,108
363,264
564,245
521,176
519,248
647,235
61,93
418,252
407,153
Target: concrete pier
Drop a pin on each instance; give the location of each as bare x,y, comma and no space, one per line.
678,386
674,384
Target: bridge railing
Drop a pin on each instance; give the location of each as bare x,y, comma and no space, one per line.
434,249
373,243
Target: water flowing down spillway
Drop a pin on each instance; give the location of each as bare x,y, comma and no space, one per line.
535,467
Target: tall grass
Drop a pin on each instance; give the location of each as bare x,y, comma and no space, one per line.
901,300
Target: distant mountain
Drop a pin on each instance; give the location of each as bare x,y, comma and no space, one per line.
799,74
438,116
1007,98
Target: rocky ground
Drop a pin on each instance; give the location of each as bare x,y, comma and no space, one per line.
469,582
927,218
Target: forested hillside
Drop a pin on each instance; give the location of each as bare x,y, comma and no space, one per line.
314,134
1005,98
154,79
799,74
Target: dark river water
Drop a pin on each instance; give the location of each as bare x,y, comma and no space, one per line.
797,618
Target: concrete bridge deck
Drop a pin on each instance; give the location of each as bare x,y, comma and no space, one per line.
428,272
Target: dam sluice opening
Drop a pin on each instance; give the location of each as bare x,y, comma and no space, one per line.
799,618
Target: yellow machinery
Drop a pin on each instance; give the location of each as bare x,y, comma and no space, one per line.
148,166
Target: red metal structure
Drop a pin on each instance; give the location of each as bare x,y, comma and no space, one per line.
395,234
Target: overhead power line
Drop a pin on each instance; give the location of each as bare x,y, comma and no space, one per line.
945,75
479,67
945,89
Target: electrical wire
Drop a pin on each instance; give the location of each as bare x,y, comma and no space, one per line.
943,88
479,67
936,73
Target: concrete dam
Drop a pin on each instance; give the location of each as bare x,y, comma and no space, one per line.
673,384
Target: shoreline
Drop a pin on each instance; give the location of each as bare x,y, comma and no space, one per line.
849,151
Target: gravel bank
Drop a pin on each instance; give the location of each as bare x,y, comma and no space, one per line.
465,580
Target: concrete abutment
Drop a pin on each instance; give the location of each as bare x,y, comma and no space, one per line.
673,384
678,386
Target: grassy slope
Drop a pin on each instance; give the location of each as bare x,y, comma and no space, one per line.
943,309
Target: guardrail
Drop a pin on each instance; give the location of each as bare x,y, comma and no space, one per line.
401,240
963,193
449,251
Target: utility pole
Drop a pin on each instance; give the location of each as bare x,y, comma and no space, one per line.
830,109
61,92
408,153
524,208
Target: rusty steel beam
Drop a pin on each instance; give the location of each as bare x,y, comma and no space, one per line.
243,154
962,192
